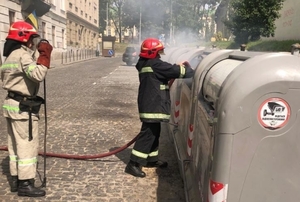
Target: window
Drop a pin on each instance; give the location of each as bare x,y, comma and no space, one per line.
11,15
63,5
63,38
53,35
107,45
43,34
80,30
70,5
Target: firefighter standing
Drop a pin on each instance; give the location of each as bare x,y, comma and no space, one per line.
153,104
21,76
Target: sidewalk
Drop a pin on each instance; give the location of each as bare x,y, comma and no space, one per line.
94,111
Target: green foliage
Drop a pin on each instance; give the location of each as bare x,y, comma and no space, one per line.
131,13
218,36
272,45
120,47
252,19
102,16
260,45
185,16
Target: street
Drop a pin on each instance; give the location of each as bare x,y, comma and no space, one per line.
92,109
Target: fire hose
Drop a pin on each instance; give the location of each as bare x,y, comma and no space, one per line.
68,156
82,157
74,156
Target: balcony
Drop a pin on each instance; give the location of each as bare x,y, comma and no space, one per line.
41,7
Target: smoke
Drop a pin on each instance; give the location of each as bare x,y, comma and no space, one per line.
159,19
183,37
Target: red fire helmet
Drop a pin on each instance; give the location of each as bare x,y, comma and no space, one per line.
151,47
21,31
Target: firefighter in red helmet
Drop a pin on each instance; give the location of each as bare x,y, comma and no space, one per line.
153,104
21,76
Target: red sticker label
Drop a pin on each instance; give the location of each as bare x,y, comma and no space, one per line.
274,113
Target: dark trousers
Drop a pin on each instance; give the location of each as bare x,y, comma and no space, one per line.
145,148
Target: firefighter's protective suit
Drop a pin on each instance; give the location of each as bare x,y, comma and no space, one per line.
153,104
21,76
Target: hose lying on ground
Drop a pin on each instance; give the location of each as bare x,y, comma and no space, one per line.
82,157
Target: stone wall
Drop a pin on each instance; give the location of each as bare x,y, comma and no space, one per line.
287,26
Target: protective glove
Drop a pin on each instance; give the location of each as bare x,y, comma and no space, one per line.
45,50
189,72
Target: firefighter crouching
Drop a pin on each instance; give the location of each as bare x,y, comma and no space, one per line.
153,104
21,76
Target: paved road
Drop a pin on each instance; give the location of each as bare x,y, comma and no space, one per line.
92,109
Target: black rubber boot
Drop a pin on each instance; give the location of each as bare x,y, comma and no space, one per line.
157,164
26,188
134,169
14,183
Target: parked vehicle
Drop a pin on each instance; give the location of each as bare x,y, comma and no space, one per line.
131,55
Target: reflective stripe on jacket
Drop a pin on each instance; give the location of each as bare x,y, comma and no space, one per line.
20,74
154,96
143,155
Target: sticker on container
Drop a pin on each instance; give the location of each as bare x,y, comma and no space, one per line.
274,113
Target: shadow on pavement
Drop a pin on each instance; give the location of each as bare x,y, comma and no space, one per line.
169,179
5,169
123,155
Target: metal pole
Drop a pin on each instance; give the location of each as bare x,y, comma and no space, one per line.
106,18
140,28
171,24
44,183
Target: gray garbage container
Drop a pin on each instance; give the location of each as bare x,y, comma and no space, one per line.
241,123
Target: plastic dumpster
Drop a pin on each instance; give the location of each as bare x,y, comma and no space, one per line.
242,128
168,53
180,93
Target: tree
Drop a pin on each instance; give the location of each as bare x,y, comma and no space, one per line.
186,16
252,19
221,16
113,10
116,16
193,16
153,16
131,15
102,16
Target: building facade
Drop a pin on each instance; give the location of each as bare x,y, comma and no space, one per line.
83,24
10,11
52,25
67,24
50,15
